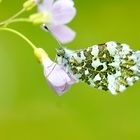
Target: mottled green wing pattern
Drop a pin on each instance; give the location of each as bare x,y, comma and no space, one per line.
110,66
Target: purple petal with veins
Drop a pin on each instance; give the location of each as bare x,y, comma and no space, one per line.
57,77
63,33
61,12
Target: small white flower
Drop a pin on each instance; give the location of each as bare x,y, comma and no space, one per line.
59,80
60,13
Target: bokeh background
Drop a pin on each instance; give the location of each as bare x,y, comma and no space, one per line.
30,110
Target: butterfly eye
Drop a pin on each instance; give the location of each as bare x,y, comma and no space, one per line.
58,55
61,52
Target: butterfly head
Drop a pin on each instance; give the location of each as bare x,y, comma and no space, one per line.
61,52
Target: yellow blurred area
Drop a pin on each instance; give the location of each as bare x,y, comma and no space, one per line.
30,110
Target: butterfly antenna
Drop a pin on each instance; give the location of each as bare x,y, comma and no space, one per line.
59,43
46,28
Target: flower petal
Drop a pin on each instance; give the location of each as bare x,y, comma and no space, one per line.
57,78
63,11
63,33
45,5
59,90
57,75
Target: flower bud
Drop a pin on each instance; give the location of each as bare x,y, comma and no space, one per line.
40,54
29,4
40,18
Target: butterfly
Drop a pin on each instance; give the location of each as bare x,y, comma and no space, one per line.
110,66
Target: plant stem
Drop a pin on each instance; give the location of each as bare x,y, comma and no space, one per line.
21,35
13,17
17,20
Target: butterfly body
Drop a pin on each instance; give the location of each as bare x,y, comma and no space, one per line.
110,66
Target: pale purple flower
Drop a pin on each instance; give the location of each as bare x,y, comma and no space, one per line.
59,13
57,77
55,74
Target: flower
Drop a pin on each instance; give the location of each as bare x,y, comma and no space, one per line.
58,13
55,74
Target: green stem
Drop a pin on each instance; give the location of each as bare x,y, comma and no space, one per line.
17,20
21,35
13,17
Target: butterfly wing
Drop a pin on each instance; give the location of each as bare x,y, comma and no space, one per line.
110,66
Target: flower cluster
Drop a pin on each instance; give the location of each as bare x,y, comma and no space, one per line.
110,66
54,14
57,78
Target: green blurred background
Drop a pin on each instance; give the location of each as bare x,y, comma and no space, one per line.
30,110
